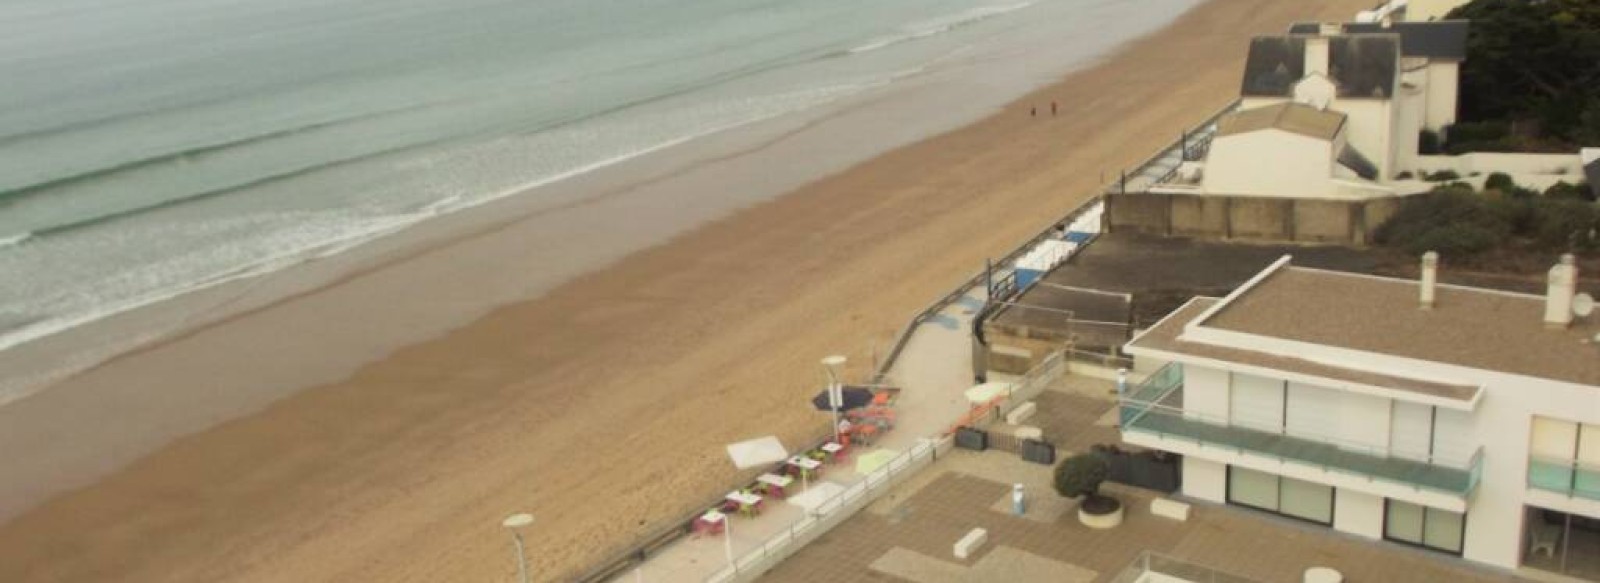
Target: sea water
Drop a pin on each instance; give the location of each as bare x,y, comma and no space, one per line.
149,148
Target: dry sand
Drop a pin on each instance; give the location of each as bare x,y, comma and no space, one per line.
602,406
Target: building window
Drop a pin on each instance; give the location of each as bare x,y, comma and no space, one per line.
1286,496
1423,526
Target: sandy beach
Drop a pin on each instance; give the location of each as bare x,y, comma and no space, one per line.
602,405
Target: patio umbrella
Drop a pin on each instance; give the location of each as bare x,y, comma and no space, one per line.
854,398
869,462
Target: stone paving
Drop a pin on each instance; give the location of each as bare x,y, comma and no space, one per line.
908,535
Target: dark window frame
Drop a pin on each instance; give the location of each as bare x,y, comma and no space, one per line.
1424,544
1333,498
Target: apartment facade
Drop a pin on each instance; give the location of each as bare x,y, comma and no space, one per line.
1462,420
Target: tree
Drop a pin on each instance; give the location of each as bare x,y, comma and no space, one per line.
1081,475
1535,64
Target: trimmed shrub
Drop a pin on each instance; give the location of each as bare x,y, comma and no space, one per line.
1428,143
1499,181
1441,176
1081,475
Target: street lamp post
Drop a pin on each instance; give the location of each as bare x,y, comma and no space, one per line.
513,523
835,390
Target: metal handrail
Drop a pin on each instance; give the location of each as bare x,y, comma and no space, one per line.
1472,466
830,511
1575,469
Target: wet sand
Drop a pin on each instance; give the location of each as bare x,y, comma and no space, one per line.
601,406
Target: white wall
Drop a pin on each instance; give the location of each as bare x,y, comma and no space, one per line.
1410,114
1205,480
1444,85
1487,162
1358,513
1205,392
1369,128
1269,163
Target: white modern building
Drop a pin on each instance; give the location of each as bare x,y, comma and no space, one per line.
1457,419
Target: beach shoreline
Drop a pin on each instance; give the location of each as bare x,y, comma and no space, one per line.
357,478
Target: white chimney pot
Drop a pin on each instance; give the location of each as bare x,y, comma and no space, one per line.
1563,285
1430,279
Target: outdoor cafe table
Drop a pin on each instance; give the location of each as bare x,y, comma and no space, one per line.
808,467
748,503
776,483
710,523
833,449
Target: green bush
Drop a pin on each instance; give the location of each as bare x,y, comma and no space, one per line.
1407,175
1081,475
1499,181
1441,176
1452,220
1567,224
1562,190
1428,143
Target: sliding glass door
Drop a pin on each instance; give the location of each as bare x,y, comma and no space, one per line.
1286,496
1423,526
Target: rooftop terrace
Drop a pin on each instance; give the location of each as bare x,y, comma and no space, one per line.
1470,327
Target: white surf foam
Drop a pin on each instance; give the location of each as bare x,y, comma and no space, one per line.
355,231
940,25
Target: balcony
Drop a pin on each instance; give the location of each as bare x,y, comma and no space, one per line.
1155,408
1569,478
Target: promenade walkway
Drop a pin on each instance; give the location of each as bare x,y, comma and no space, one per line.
933,370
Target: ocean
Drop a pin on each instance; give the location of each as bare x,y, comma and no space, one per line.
152,148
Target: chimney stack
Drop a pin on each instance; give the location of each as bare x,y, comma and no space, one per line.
1558,297
1317,55
1430,277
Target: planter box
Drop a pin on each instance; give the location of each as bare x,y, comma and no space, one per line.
1038,452
972,438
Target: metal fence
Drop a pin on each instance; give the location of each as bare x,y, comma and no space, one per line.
828,514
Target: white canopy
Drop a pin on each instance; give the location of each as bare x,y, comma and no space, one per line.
757,452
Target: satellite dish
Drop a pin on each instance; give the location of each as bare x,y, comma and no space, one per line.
1583,305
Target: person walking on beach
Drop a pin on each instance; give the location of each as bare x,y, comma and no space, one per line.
1052,108
1033,111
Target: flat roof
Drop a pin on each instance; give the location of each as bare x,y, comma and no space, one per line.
1471,327
1166,337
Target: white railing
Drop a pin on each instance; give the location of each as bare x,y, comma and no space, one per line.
1149,567
827,515
1047,372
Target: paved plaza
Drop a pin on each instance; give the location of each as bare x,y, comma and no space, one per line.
908,535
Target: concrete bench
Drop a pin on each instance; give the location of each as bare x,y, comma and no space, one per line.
971,543
1030,432
1021,413
1173,509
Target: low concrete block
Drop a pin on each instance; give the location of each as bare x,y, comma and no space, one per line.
1173,509
1021,413
1030,432
971,543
